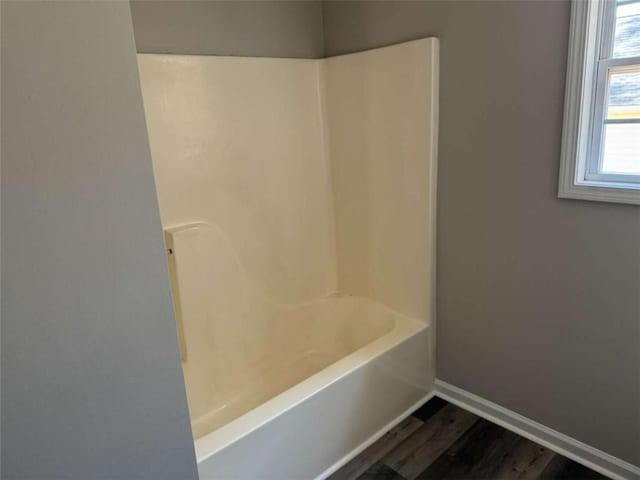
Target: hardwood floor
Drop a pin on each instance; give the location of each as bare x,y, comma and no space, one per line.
440,441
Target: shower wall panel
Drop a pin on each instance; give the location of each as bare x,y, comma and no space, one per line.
239,143
382,108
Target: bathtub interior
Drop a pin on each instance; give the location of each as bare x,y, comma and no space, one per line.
243,348
298,197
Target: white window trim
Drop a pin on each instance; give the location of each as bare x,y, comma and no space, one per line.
585,40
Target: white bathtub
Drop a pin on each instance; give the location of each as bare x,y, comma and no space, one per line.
311,429
267,381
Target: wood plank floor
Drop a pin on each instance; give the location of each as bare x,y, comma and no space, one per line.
440,441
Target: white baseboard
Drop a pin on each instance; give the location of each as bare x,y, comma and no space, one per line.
374,438
558,442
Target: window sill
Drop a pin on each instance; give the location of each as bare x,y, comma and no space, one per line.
601,192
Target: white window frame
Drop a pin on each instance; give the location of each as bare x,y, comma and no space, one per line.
589,63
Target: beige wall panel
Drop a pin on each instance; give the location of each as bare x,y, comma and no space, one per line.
238,143
381,116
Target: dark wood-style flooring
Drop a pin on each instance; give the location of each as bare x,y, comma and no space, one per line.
440,441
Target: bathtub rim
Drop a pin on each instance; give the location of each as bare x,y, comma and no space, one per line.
242,426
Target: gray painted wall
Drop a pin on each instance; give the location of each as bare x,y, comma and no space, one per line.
244,28
538,298
91,380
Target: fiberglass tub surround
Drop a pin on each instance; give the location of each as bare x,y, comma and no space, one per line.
297,198
271,346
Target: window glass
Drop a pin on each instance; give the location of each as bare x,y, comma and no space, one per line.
623,100
621,140
621,148
627,31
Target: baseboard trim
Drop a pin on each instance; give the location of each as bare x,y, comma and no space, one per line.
375,437
582,453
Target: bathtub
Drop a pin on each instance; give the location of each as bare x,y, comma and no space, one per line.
298,200
267,381
342,408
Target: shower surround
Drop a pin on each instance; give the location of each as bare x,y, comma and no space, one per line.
298,201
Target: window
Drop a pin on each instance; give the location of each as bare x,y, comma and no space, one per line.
601,136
